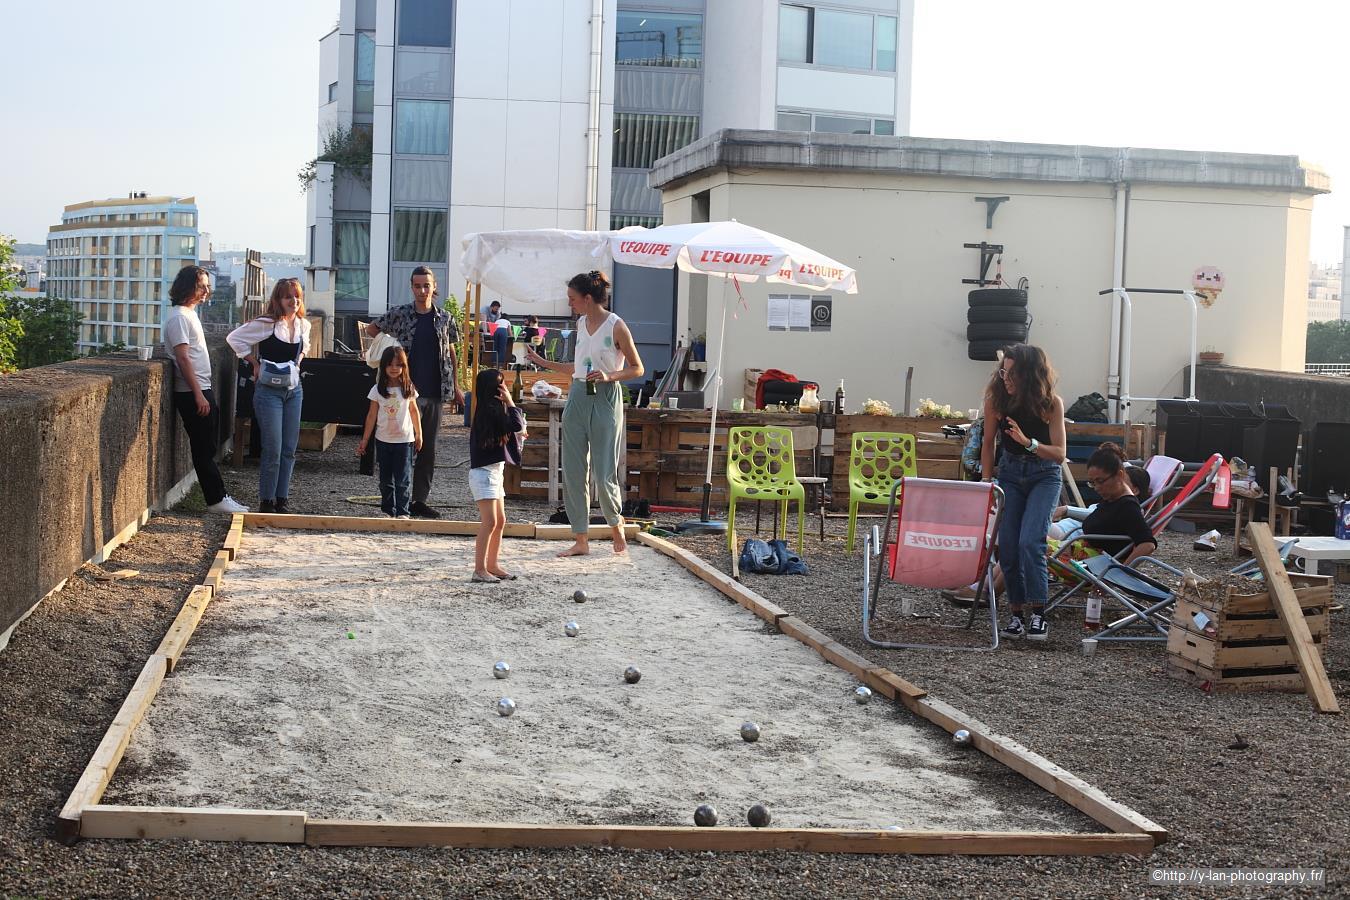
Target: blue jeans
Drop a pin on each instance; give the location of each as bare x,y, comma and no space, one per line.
395,462
1030,492
276,412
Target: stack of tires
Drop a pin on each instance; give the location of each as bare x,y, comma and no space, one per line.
997,317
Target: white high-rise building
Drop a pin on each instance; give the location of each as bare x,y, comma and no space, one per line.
492,114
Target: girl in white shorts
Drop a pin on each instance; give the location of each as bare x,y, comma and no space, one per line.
495,437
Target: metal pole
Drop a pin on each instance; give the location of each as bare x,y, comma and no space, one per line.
1126,351
1195,322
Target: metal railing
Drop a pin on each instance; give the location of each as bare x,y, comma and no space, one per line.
1342,369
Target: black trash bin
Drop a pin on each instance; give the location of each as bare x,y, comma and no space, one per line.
1180,421
1273,441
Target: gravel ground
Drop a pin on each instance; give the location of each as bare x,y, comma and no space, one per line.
1116,719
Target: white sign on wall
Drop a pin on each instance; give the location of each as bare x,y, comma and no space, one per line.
798,312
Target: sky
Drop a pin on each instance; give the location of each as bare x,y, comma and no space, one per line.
219,100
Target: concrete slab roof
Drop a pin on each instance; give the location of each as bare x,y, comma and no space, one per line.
986,160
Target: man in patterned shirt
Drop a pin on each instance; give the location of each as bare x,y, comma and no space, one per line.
429,335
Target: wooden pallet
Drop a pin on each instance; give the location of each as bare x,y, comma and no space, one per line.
1239,643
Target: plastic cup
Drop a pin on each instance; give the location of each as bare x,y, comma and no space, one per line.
143,353
672,403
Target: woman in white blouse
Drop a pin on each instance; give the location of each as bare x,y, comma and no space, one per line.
274,344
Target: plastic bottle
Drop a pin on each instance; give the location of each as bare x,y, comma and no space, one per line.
839,398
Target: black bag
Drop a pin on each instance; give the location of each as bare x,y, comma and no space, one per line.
1088,408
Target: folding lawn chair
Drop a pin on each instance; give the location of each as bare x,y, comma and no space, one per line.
1130,586
1077,575
1163,473
944,538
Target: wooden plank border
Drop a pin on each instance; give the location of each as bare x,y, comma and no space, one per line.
164,823
421,526
339,833
94,781
83,815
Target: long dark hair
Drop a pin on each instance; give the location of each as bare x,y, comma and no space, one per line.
1035,382
592,284
404,383
184,285
492,426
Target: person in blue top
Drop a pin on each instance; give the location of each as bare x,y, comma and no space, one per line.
593,418
429,335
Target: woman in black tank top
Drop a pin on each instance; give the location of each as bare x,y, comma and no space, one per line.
1027,419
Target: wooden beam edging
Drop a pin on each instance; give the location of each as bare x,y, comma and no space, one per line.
1068,787
339,833
94,781
166,823
184,624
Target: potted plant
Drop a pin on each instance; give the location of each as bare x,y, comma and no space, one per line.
699,349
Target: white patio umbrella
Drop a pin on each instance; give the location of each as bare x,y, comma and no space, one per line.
726,249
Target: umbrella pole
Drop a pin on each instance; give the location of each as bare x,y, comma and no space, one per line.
705,524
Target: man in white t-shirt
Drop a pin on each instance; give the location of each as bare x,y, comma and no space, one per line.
192,396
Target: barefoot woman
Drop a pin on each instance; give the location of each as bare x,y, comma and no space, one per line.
593,419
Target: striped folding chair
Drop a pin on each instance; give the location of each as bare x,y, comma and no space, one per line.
939,535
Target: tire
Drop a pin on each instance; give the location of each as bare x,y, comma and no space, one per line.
1005,332
985,350
1014,314
997,297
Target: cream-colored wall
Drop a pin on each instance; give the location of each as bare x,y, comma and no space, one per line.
904,236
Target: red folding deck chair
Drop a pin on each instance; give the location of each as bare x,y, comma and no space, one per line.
1163,473
943,539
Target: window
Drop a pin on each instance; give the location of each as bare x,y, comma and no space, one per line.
425,23
837,38
640,139
791,120
182,245
423,127
364,99
351,256
794,34
659,39
353,284
184,219
332,92
886,39
419,235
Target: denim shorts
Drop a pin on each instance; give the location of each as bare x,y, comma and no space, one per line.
487,483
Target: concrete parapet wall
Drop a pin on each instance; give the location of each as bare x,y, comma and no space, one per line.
87,449
1312,398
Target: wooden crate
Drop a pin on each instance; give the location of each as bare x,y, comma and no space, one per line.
1243,645
317,438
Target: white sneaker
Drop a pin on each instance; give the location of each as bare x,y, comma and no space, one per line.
227,505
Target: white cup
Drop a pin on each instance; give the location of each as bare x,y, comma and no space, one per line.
144,353
672,403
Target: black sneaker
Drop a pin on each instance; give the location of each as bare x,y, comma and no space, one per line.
1038,630
282,506
422,511
267,506
1014,628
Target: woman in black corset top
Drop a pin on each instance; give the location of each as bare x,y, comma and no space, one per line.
279,338
1026,431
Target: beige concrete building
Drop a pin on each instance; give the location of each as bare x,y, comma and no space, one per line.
1076,219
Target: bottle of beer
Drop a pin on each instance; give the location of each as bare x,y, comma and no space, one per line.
839,398
590,385
517,389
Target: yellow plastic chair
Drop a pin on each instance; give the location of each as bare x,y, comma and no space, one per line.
877,459
760,466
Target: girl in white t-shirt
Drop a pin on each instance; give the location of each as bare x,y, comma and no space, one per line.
397,426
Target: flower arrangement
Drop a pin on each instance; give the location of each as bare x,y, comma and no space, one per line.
877,408
930,409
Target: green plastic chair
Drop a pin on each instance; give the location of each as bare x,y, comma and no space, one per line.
878,458
760,466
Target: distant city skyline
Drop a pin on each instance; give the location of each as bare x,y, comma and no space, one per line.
224,108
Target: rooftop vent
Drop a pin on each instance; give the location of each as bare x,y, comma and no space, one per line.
138,195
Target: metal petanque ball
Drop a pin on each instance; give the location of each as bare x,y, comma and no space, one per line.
632,675
579,595
505,707
961,738
705,816
862,694
759,816
571,629
501,669
749,732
